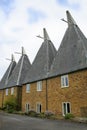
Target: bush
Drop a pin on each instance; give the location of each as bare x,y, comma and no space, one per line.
2,108
41,115
31,113
10,110
11,104
49,114
69,116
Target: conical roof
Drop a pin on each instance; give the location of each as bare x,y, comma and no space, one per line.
20,71
43,60
7,75
72,53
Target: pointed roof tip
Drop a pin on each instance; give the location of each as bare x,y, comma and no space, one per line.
46,36
12,58
70,19
23,51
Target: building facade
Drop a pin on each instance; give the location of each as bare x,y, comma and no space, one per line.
57,80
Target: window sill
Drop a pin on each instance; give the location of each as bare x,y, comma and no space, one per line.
64,86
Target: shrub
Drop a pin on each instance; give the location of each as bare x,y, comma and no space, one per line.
11,104
31,113
48,114
10,110
2,108
41,115
69,116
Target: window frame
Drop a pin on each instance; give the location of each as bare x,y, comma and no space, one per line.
66,108
6,92
40,107
12,91
64,81
27,107
39,86
27,88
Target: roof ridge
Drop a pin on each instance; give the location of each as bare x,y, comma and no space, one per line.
19,74
70,19
23,51
46,36
12,60
72,53
81,40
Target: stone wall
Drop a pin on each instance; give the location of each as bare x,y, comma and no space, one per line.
76,93
1,98
52,95
34,96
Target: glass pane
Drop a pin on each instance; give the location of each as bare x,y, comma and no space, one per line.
68,107
28,107
39,86
66,81
27,87
40,107
62,81
64,108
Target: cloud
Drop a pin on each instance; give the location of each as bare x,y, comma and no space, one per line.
27,18
69,4
6,6
35,15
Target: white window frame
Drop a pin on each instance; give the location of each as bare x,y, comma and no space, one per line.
38,110
64,112
27,107
6,92
64,81
27,88
39,86
12,90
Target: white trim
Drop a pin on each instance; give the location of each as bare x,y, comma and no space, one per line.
38,103
6,92
26,108
27,90
12,91
63,81
19,75
66,107
39,86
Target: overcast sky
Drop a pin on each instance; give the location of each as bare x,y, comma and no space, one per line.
22,20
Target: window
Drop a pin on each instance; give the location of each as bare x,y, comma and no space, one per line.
27,88
6,92
12,91
66,108
39,86
27,107
64,81
38,108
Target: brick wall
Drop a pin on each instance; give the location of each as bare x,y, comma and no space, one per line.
34,96
76,93
1,97
17,94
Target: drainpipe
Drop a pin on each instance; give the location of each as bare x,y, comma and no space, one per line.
46,96
2,96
